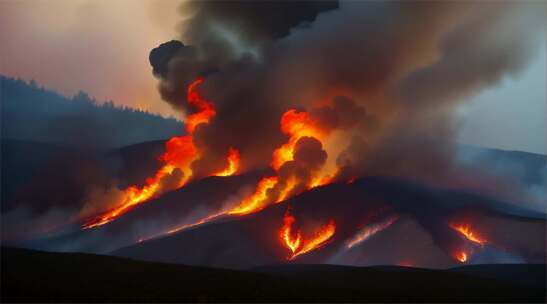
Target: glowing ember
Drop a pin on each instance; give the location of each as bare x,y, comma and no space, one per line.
298,245
461,256
369,231
465,230
233,163
179,153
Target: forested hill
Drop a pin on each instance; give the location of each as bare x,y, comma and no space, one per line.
33,113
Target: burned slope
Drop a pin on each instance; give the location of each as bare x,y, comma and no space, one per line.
69,277
45,186
154,217
421,235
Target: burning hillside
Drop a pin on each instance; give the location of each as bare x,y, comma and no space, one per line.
310,142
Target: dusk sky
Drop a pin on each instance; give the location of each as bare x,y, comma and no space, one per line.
102,47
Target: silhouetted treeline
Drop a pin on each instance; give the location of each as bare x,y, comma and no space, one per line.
30,112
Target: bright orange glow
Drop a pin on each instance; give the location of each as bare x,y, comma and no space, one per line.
369,231
318,181
179,154
298,245
296,125
284,193
258,200
465,230
132,197
205,109
292,242
233,163
461,256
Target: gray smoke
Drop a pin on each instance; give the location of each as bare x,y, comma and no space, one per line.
408,64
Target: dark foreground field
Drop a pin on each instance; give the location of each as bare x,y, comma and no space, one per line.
68,277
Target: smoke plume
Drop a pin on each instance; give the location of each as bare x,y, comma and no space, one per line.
386,76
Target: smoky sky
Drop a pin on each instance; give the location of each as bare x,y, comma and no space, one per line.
407,64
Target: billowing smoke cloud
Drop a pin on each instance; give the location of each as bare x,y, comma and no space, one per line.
407,64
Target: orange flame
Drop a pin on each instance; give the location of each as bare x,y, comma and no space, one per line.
319,181
465,230
284,193
296,125
179,153
292,242
461,256
296,244
233,163
206,110
257,200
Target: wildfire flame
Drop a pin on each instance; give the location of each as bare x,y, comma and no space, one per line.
461,256
255,201
179,154
206,110
233,163
369,231
296,125
465,230
284,193
298,245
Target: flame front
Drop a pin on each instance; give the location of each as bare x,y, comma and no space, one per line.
465,230
233,163
296,125
298,245
255,201
179,154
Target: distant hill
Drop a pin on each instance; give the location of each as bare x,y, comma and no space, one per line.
33,113
34,276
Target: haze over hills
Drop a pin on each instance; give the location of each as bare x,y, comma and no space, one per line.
33,113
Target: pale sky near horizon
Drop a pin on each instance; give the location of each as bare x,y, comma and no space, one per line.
102,47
